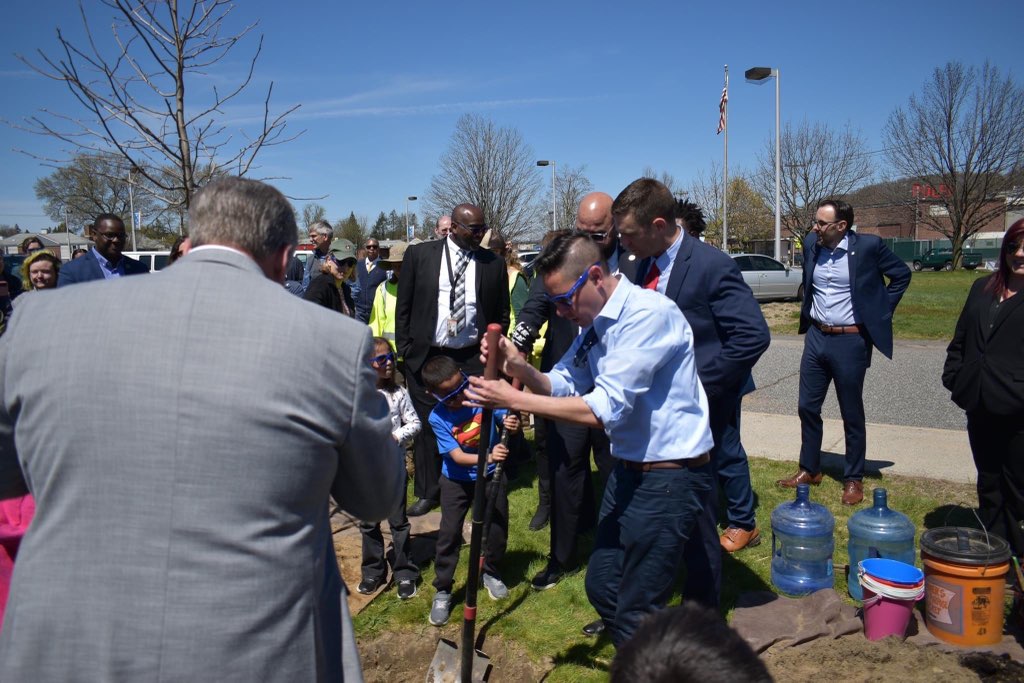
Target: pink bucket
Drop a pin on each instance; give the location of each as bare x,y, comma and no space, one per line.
885,616
888,606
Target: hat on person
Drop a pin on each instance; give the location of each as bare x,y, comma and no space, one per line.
343,250
396,253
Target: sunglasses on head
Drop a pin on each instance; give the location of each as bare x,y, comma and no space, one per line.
458,390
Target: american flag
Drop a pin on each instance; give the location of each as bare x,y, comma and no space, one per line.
721,108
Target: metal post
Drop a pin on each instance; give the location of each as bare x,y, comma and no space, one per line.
554,211
778,175
131,207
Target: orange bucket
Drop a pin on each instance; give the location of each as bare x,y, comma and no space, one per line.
964,573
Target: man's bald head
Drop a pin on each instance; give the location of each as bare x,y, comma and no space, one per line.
468,226
594,217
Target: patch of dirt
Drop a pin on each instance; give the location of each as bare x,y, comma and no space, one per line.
854,659
778,313
405,656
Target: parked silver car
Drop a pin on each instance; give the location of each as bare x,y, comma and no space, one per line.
769,279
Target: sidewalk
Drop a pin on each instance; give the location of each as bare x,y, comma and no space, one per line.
897,449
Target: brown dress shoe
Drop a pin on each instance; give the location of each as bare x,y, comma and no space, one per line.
736,538
801,477
853,492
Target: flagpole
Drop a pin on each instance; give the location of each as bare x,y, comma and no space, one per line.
725,169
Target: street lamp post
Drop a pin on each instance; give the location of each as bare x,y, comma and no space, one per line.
758,75
554,215
131,205
408,236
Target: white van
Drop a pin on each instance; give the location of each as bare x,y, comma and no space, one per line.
154,260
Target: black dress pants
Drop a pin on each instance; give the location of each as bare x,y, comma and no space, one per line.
997,442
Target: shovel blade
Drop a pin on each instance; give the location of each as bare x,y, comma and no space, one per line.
446,666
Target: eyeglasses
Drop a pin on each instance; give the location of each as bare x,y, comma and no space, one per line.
458,390
477,230
596,236
371,246
566,299
823,224
111,236
382,359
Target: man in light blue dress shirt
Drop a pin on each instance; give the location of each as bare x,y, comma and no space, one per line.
631,372
847,310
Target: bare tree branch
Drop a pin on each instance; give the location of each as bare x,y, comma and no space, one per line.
493,168
142,99
961,141
817,163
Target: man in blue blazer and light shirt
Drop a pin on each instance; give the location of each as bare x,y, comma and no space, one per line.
847,309
104,261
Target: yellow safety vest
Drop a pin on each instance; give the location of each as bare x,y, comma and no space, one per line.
382,313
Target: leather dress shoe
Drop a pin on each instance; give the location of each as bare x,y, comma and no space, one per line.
801,477
736,538
594,628
853,492
421,507
540,518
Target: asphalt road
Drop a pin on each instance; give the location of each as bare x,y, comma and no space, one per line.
906,390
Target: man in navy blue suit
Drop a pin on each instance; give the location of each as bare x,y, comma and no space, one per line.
847,309
729,334
104,261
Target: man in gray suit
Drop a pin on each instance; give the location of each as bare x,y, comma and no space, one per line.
182,469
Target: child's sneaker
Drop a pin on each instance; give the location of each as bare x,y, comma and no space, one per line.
495,587
370,586
406,589
441,608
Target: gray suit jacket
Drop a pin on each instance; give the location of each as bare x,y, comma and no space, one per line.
181,459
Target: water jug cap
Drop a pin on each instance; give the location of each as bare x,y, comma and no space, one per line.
880,498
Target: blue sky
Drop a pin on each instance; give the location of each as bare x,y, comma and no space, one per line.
614,86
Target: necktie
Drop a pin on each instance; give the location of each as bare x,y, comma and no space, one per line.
459,293
651,279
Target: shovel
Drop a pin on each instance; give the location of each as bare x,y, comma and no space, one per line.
449,664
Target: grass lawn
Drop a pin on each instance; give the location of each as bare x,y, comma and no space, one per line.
547,625
928,310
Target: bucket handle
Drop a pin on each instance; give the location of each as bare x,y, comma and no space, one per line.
974,511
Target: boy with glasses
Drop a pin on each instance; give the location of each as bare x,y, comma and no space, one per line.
457,427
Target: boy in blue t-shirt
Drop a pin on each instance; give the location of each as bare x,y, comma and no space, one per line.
457,428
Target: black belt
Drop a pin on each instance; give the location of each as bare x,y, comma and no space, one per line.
699,461
837,329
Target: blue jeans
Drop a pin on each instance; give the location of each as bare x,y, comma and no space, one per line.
843,359
645,520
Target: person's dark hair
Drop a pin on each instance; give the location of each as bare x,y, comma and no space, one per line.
106,217
175,248
438,370
78,252
246,214
687,644
380,346
23,248
997,285
692,217
571,253
844,212
646,199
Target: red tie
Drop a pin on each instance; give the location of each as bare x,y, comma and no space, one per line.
651,279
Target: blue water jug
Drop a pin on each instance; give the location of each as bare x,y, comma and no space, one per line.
878,531
802,545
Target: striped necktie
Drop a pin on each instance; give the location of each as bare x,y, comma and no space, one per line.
459,293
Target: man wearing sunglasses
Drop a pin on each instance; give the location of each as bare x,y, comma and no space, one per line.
564,482
369,275
450,290
104,261
847,310
632,373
